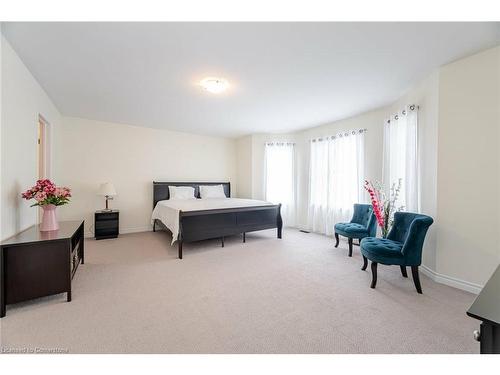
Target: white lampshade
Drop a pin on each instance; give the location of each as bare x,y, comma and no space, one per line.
107,189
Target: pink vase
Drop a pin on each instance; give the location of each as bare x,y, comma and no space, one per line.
49,218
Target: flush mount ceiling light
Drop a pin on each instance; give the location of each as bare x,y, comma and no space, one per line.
214,85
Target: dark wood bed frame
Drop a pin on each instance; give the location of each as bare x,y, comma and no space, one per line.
206,224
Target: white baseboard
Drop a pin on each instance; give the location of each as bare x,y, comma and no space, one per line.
148,228
299,227
451,281
125,231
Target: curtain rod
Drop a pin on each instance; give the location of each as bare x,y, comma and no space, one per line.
339,135
280,143
411,107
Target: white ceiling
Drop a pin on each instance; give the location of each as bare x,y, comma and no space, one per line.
283,76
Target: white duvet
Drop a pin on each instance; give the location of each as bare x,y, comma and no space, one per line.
168,210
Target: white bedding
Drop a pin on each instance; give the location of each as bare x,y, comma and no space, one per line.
168,210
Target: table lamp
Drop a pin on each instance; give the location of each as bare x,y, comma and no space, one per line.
108,190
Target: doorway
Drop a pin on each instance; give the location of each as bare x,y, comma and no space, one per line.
42,147
43,166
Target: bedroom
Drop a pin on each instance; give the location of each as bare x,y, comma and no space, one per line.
231,158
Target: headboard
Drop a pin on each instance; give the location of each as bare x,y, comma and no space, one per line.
160,189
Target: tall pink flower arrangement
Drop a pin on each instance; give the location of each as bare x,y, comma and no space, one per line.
383,207
45,192
376,201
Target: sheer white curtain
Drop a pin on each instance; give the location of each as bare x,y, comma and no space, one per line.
400,156
336,176
280,178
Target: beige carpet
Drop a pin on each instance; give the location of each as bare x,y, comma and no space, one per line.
296,295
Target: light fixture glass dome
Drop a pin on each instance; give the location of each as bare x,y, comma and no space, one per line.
214,85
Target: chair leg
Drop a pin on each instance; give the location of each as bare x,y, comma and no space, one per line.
350,246
403,271
365,263
416,279
374,275
337,239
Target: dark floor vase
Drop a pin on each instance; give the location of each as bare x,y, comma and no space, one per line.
403,246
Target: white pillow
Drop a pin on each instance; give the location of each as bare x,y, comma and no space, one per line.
181,192
214,191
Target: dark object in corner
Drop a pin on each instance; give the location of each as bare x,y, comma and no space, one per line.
107,224
486,308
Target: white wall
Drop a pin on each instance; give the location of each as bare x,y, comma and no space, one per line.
468,168
244,166
131,158
23,100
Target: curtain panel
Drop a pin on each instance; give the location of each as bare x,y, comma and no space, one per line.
400,157
280,178
336,177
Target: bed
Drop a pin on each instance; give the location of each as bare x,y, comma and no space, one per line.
202,219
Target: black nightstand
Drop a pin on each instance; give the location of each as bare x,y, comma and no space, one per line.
106,224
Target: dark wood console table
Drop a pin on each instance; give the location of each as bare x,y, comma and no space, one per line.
35,264
486,308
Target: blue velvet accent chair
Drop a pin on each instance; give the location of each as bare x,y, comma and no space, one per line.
362,224
403,246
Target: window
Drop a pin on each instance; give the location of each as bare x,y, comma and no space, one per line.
336,176
279,178
400,157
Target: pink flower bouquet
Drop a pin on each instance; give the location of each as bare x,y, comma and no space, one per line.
45,192
383,207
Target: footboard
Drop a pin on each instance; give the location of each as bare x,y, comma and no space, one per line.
206,224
